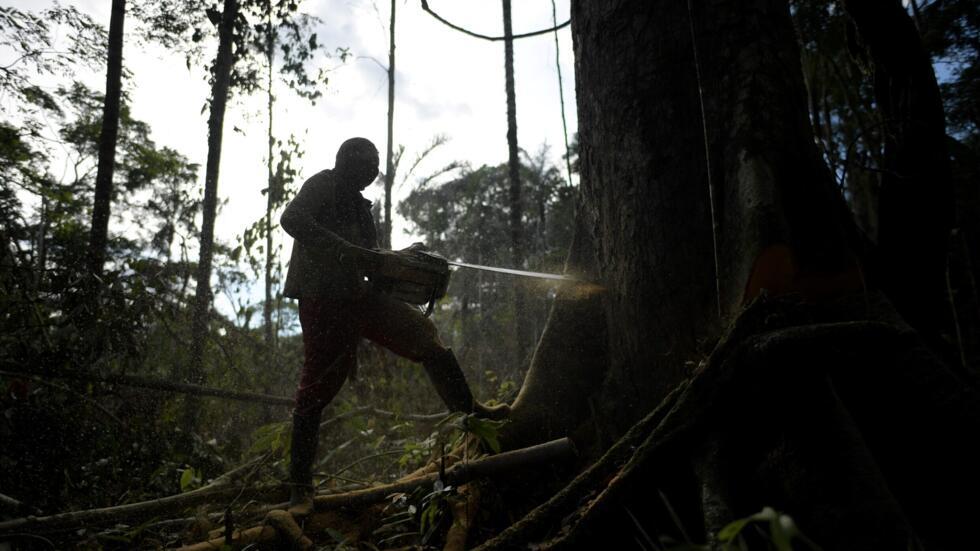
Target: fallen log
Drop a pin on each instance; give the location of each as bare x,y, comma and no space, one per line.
140,510
151,383
460,473
546,515
15,506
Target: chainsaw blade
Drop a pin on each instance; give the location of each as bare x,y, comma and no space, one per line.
522,273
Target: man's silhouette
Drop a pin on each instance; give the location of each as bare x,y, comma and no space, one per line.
335,238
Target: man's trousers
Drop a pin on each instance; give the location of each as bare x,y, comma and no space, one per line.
332,330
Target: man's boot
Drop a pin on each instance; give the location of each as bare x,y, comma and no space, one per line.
302,453
450,384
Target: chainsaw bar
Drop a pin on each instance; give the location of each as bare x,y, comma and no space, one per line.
523,273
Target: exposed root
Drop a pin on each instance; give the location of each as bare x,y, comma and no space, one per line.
546,516
354,526
464,508
788,409
693,408
279,526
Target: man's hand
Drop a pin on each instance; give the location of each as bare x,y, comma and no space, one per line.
368,261
359,259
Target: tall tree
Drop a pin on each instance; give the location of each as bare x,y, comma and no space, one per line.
107,142
390,154
651,205
294,35
221,80
522,334
521,326
271,194
245,47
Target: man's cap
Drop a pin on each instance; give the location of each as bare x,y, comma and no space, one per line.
355,147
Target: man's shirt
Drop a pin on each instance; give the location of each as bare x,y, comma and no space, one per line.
324,219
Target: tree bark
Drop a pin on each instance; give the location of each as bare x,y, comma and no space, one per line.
522,336
102,204
221,81
389,156
460,473
645,194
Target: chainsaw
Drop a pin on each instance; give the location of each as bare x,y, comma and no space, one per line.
421,277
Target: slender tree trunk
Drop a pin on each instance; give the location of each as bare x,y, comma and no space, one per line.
916,208
272,194
561,94
219,99
98,239
522,337
42,242
389,157
270,200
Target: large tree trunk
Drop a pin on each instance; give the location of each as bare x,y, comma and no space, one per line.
781,223
832,455
643,175
221,80
107,143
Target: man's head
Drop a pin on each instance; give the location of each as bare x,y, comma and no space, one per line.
357,162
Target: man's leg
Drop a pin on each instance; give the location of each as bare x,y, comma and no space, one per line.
405,331
329,344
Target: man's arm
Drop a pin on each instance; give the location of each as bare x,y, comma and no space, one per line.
299,220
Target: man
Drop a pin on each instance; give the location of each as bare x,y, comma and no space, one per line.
335,239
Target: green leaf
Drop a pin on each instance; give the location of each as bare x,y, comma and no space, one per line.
272,437
187,478
486,430
783,531
732,529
